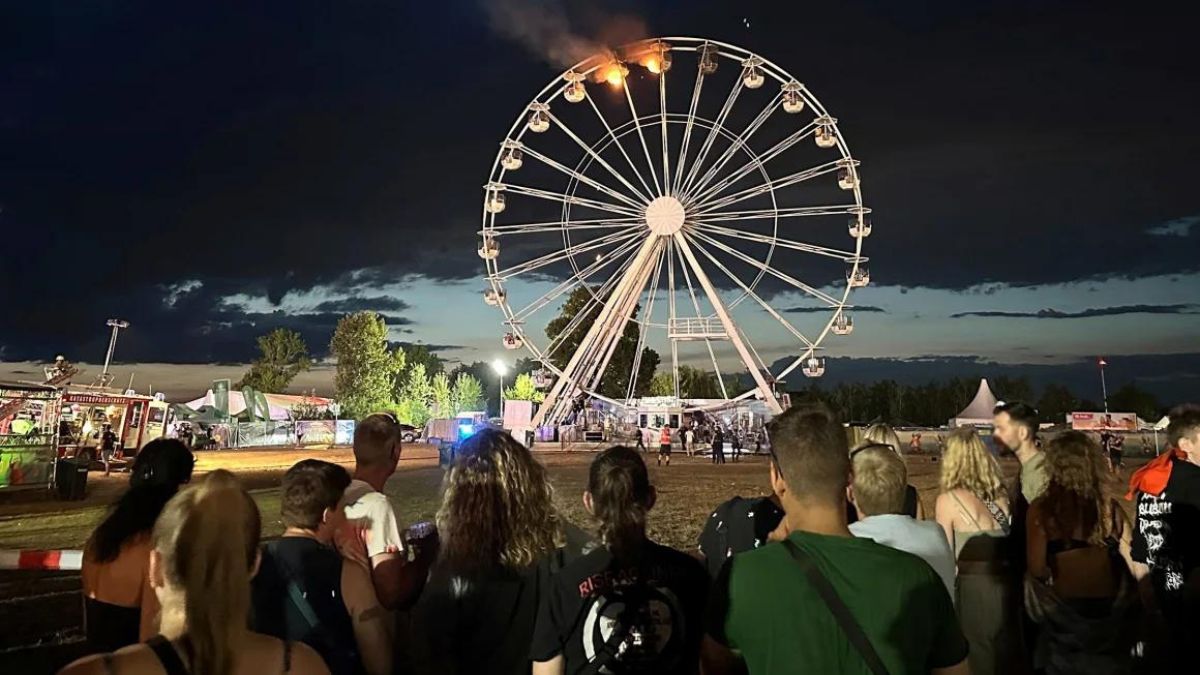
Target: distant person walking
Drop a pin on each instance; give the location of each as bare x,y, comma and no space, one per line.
664,446
718,445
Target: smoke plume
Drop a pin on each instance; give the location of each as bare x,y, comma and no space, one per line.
544,28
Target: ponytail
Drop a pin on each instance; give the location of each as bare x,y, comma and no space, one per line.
208,537
621,497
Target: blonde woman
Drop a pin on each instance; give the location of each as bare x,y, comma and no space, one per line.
882,434
499,533
205,551
974,511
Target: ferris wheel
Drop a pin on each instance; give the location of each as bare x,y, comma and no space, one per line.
684,216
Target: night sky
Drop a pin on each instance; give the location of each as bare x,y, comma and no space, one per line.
209,171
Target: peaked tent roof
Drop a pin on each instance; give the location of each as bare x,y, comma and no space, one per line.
979,411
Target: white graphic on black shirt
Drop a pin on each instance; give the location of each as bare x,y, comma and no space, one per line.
634,629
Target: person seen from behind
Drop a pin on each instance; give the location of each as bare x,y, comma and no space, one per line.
882,434
878,491
631,605
823,600
1080,588
120,605
305,591
397,579
973,510
1166,538
500,534
205,550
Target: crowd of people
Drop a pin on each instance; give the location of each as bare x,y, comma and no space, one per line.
836,571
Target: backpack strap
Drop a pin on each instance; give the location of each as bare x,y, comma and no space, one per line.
841,613
167,655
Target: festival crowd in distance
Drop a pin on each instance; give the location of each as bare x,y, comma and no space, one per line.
839,570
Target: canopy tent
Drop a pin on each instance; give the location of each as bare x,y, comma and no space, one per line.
280,405
979,411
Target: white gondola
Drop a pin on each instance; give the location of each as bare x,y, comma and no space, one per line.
539,118
793,102
860,226
825,136
511,158
574,91
490,249
847,178
843,325
753,76
492,298
658,60
814,367
859,277
493,201
708,59
542,378
513,341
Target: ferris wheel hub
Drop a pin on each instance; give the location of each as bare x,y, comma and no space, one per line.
664,216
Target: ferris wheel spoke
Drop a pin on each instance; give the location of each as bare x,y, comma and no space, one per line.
620,147
641,136
644,323
687,137
755,162
769,186
558,256
671,314
754,262
560,225
623,307
740,142
746,288
581,177
600,160
563,198
772,214
582,314
712,135
666,153
687,277
836,254
577,279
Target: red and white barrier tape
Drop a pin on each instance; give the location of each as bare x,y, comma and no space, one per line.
41,560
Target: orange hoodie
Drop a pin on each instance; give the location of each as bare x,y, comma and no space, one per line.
1153,476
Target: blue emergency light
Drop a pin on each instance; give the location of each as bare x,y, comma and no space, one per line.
465,431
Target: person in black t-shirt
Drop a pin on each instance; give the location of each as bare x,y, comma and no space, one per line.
631,605
1166,538
499,530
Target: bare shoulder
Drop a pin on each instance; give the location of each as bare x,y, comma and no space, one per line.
88,665
132,659
306,661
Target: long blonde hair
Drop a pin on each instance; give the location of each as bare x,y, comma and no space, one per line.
497,508
881,434
208,539
967,464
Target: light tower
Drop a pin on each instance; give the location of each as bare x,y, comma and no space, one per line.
105,377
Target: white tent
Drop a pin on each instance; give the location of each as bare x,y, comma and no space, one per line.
979,411
237,405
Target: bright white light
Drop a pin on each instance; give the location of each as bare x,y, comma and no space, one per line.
499,367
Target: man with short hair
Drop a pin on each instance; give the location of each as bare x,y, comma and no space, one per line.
306,591
878,491
823,600
1166,538
1016,426
397,580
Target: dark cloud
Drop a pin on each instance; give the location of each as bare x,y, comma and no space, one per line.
1087,313
431,347
376,304
823,310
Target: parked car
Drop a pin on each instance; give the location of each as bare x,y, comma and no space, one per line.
409,433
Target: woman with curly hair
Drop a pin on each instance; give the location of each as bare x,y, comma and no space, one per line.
973,509
499,534
1080,586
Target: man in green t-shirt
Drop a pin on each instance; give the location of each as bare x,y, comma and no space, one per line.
765,614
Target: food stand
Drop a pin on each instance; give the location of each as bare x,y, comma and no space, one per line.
27,435
134,418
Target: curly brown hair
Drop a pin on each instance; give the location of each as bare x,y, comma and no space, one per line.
497,508
1079,495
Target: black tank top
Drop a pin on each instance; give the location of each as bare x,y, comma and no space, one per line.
297,595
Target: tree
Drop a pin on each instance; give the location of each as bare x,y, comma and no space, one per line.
416,397
1132,398
524,389
697,383
614,382
443,396
366,368
467,393
284,356
420,353
662,384
1056,403
485,378
1014,389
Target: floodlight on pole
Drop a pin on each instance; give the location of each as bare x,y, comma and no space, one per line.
116,325
501,369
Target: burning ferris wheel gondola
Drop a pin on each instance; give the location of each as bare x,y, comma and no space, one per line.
671,211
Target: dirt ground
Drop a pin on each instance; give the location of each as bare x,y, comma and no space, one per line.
44,608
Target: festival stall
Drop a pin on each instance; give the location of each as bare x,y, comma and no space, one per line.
134,419
978,412
27,428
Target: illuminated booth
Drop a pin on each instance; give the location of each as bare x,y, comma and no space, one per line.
27,435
